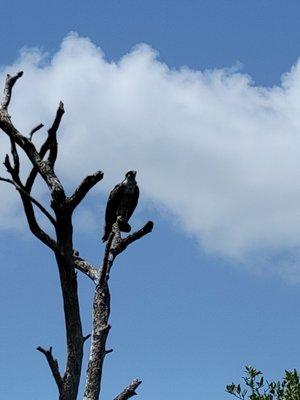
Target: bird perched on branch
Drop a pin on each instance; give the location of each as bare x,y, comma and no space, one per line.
121,203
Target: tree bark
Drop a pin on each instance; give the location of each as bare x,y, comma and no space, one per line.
75,340
101,311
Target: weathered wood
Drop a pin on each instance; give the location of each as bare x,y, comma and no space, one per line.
9,83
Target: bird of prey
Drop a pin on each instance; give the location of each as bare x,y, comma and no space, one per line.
121,203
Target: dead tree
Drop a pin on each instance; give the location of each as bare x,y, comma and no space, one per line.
67,258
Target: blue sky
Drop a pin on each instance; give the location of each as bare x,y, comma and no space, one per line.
210,290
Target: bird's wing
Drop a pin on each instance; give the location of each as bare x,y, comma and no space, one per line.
111,209
134,202
113,202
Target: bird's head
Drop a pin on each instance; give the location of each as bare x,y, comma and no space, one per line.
130,175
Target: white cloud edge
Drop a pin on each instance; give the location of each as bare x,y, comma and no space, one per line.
218,152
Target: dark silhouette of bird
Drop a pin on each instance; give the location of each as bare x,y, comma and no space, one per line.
121,204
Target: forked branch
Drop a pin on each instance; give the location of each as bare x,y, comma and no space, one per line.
53,364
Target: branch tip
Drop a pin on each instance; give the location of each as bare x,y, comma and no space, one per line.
53,364
85,186
35,129
85,338
9,83
130,390
124,243
61,107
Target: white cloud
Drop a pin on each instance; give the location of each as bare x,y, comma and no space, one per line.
222,155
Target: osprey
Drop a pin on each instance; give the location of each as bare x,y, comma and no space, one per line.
121,203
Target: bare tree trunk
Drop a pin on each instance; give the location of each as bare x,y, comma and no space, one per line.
75,340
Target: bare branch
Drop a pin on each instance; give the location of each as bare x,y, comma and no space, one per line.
44,168
116,245
6,180
15,169
129,391
8,165
28,200
59,113
86,268
37,128
85,338
53,364
133,237
9,83
52,134
34,226
33,173
15,155
46,145
32,222
32,199
86,185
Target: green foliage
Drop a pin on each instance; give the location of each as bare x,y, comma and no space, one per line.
256,387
